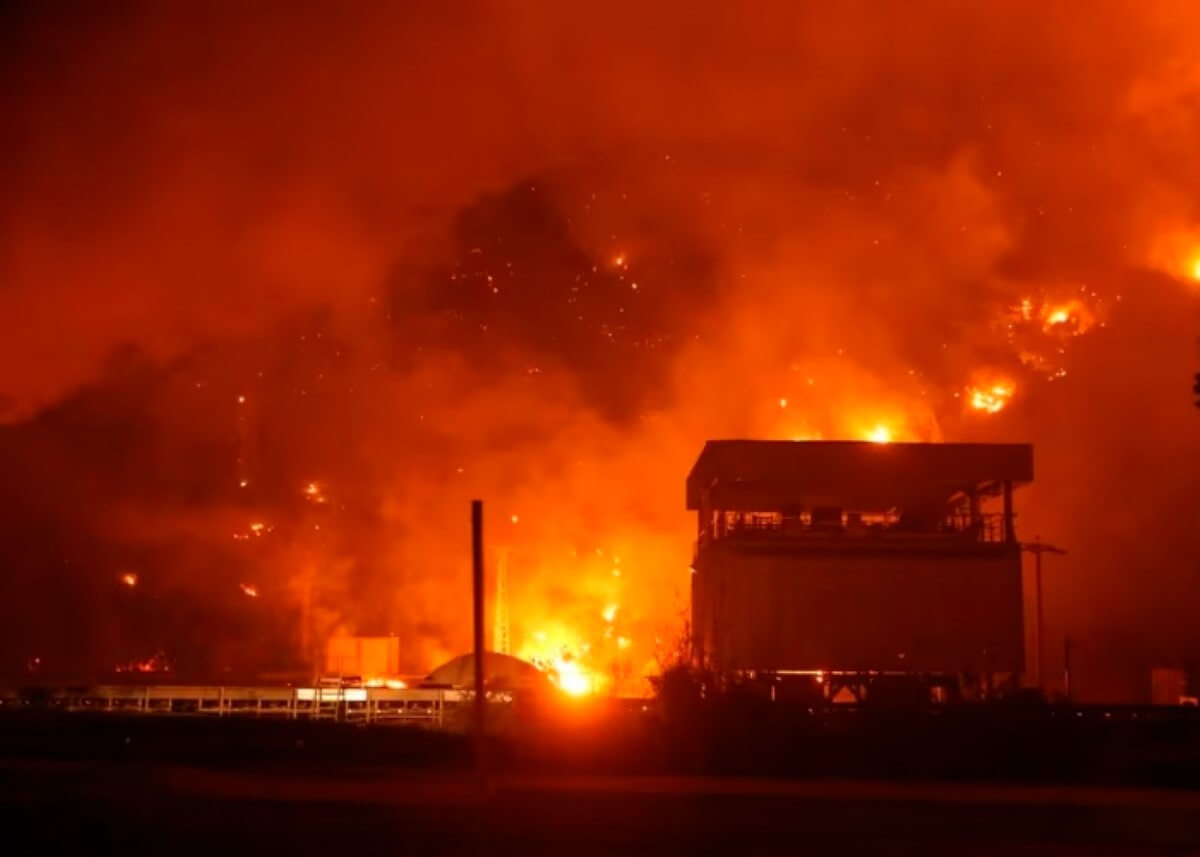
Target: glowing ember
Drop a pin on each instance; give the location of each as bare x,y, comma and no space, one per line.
783,403
312,492
257,527
129,579
1196,269
515,519
250,589
619,260
880,434
157,662
610,613
623,642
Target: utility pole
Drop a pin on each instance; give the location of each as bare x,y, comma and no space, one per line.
477,604
1037,547
1067,668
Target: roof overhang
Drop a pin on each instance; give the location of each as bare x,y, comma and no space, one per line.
770,474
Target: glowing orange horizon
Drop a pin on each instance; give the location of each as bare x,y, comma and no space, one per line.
880,434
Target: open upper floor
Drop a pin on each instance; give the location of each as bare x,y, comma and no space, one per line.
847,493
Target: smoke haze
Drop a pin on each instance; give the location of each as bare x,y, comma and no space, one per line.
373,261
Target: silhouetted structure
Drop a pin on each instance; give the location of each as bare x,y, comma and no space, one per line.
858,558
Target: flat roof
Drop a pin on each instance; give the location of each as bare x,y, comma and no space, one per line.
766,474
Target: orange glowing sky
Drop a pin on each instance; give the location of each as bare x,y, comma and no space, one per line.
281,292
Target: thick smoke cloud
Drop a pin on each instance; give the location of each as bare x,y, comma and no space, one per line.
538,253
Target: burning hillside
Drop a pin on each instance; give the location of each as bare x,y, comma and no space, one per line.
281,297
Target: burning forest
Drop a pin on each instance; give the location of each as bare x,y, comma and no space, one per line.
280,296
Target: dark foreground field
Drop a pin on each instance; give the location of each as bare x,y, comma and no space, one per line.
169,786
143,807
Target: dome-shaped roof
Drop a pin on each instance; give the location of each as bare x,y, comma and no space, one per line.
499,671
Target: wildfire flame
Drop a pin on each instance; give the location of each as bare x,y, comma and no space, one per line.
1177,253
571,678
1070,317
563,662
991,398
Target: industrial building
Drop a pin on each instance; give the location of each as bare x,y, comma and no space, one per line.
852,560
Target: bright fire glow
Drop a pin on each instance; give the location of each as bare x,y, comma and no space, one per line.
129,579
990,399
880,434
610,613
1070,317
250,589
389,683
572,679
1196,269
563,656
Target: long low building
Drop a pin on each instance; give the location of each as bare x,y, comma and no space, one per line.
415,706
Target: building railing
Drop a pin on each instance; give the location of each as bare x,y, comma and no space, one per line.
954,528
